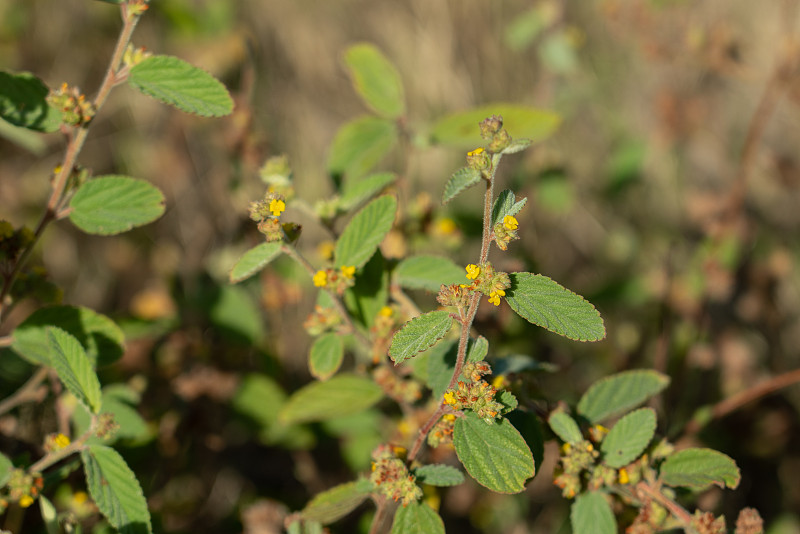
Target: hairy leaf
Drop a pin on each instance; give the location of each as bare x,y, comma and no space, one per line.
376,80
591,513
618,393
254,260
417,518
335,503
564,426
108,205
506,204
419,334
629,437
439,475
427,272
74,368
343,394
365,231
699,469
461,180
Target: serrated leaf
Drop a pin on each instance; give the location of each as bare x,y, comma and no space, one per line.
74,368
417,518
370,293
591,513
461,128
100,337
254,260
629,437
439,475
495,455
427,272
564,426
173,81
619,393
418,334
335,503
360,144
115,490
343,394
5,469
477,349
517,145
326,356
543,302
363,189
119,400
376,80
23,102
508,400
506,204
365,231
699,469
108,205
461,180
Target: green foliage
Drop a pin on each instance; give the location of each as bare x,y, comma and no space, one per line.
460,181
564,426
419,334
333,504
376,80
326,356
358,190
365,231
494,454
439,475
417,518
108,205
618,393
343,394
254,260
120,401
543,302
361,144
427,272
74,368
173,81
23,102
115,489
629,437
591,513
5,469
506,204
700,468
459,129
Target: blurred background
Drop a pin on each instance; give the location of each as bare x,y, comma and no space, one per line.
668,197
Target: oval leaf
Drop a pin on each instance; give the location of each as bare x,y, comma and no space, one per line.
477,349
506,204
461,129
591,513
439,475
6,467
23,102
543,302
74,368
376,80
419,334
100,337
564,426
360,144
629,438
427,272
326,356
461,180
333,504
417,518
341,395
115,490
365,231
699,469
354,194
254,260
173,81
619,393
109,205
495,455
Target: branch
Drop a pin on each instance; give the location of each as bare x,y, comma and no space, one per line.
31,391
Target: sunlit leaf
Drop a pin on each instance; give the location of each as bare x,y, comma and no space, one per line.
335,503
439,475
613,395
564,426
591,513
376,80
365,231
342,395
74,368
254,260
427,272
460,181
629,437
417,518
109,205
461,128
326,355
419,334
360,144
699,469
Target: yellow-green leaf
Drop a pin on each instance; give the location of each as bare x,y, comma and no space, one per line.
427,272
360,144
364,232
417,518
23,102
699,469
376,80
335,503
418,334
254,260
326,355
342,395
109,205
629,437
74,368
460,181
461,128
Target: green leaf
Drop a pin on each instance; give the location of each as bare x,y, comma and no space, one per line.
495,455
115,490
564,426
233,311
254,260
49,515
360,144
74,368
111,204
100,337
370,293
461,180
173,81
120,400
699,469
417,518
439,475
343,394
619,393
365,231
376,80
427,272
506,204
543,302
441,362
419,334
363,189
508,400
517,145
629,438
591,513
326,356
5,469
333,504
23,102
461,129
477,349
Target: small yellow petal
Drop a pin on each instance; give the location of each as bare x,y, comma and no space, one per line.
386,311
475,152
473,271
348,271
623,476
321,279
510,223
61,441
25,501
276,207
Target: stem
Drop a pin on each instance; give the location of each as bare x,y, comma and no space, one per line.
56,456
74,147
382,505
29,392
674,508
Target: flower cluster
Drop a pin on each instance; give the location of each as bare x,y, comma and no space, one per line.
75,109
575,458
402,390
133,55
442,432
505,231
24,487
336,280
391,477
488,281
322,320
475,393
267,214
479,160
55,442
454,295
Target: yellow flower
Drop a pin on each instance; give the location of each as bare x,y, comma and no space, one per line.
348,271
499,382
276,207
475,152
510,223
623,476
25,501
450,398
449,417
473,271
494,296
321,279
446,226
386,311
325,249
61,441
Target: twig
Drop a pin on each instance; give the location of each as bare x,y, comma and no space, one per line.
675,509
54,457
31,391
